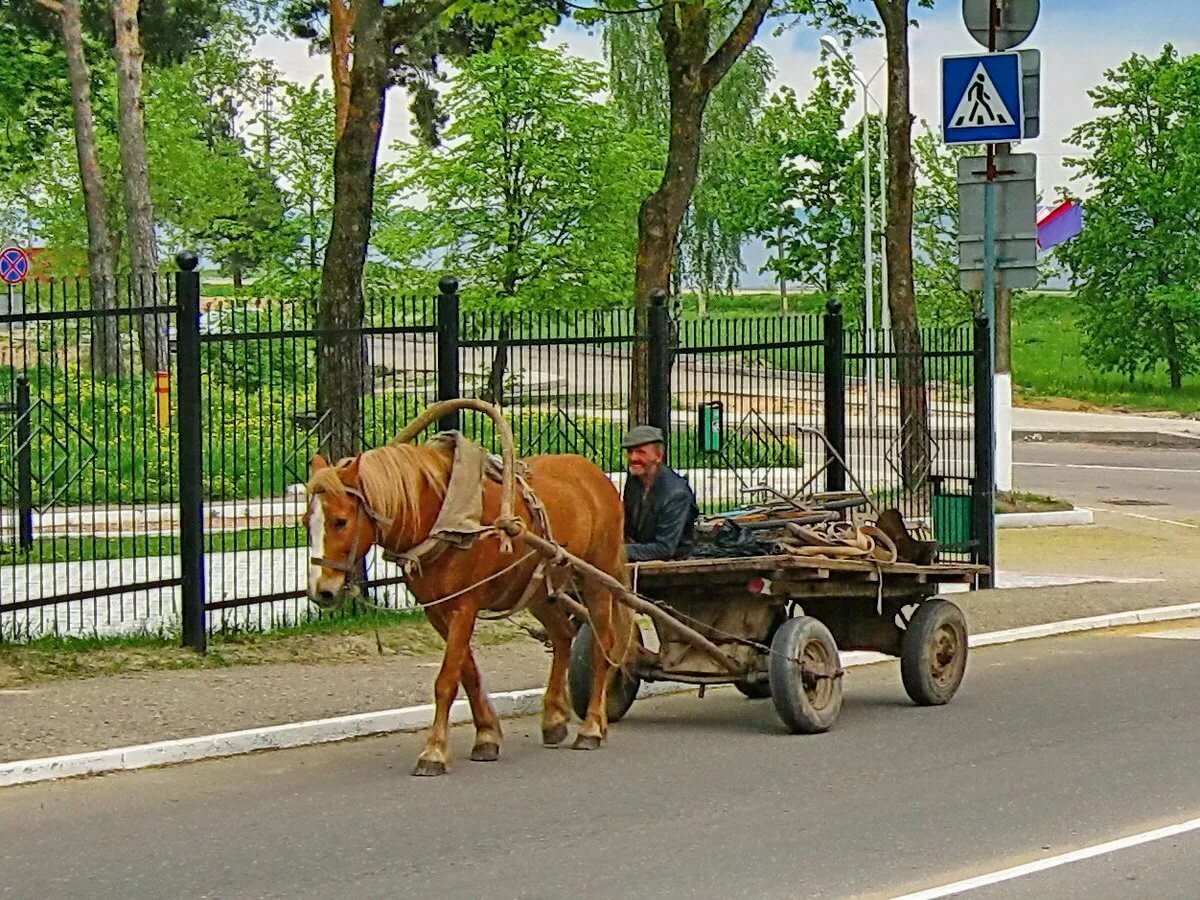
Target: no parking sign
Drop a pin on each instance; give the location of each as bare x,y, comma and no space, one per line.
14,265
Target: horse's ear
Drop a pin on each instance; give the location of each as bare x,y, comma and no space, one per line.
318,463
349,471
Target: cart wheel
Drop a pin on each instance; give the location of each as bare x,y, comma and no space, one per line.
933,653
805,671
622,686
754,690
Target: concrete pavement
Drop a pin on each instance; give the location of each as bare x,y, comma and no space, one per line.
1050,746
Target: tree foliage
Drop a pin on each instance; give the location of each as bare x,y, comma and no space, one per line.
805,192
534,193
1137,262
935,232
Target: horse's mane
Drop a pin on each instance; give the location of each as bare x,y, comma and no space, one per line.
392,478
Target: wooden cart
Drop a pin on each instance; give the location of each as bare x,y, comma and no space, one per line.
777,624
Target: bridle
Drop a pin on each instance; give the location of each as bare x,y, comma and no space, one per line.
382,526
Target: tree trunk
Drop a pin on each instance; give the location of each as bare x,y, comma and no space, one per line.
341,369
1173,354
692,75
494,392
139,212
106,345
914,407
658,226
341,19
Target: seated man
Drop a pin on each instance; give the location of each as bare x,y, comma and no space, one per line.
660,507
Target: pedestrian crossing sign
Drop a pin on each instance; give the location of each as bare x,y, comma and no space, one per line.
981,98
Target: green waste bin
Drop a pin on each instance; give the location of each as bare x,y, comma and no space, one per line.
952,518
710,426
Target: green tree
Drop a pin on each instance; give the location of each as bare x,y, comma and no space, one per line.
298,149
805,188
533,195
393,44
534,190
935,232
1137,262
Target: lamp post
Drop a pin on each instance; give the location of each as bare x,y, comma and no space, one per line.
830,43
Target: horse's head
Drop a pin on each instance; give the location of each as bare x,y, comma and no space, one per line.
340,530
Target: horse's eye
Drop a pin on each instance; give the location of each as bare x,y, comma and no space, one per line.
340,523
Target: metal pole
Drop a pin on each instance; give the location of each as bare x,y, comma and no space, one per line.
983,484
447,350
191,457
660,363
886,312
868,259
24,465
834,377
989,272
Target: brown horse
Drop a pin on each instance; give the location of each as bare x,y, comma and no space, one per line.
391,496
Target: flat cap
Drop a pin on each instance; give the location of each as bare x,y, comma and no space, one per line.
642,435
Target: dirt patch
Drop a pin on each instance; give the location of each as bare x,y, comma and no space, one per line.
1070,404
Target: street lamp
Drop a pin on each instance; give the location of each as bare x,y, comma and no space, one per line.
830,43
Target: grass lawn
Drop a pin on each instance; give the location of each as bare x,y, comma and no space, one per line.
1048,365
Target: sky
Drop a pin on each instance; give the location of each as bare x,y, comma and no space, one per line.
1078,39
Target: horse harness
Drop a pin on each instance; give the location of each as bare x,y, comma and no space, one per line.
547,578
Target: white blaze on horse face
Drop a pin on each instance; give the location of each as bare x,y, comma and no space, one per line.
316,543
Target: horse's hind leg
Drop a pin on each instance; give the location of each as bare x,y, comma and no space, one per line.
488,734
435,758
595,725
556,711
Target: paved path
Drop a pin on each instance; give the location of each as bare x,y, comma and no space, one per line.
1051,746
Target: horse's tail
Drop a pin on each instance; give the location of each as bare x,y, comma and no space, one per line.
624,622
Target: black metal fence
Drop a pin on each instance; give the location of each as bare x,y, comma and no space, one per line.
163,488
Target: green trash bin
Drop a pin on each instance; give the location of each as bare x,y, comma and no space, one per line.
952,517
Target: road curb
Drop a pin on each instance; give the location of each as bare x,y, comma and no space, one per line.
416,718
1054,518
1169,440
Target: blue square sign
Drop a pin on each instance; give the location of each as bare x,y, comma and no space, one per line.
981,98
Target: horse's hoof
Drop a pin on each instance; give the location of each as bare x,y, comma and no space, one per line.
485,752
428,767
586,742
552,737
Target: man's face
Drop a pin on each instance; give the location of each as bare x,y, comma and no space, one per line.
644,461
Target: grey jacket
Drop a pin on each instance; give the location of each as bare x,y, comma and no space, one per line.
660,524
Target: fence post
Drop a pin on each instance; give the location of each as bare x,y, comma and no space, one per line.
834,377
984,484
448,376
24,466
191,456
659,338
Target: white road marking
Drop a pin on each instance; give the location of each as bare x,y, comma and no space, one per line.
1175,634
1046,465
1052,862
316,542
1121,512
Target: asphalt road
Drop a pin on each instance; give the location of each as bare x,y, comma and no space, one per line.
1051,746
1149,481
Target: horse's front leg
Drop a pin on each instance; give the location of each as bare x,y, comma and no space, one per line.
488,734
435,758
